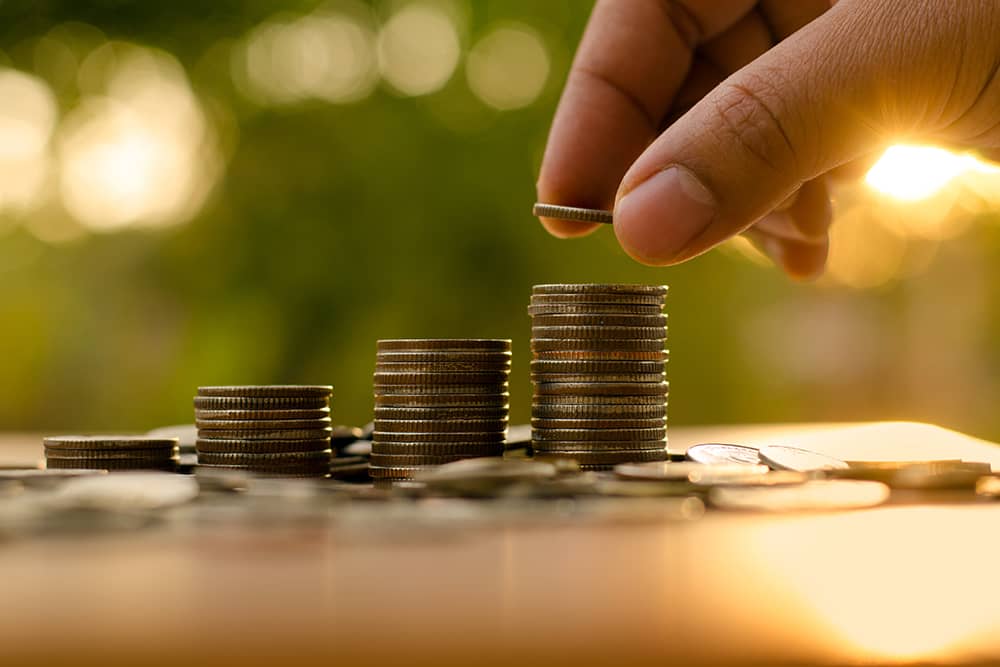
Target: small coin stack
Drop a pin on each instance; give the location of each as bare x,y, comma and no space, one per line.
600,390
437,401
269,430
110,452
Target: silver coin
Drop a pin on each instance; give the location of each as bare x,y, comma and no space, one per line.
443,344
592,309
537,378
602,332
540,435
597,298
714,452
600,412
782,457
574,213
600,288
817,495
599,320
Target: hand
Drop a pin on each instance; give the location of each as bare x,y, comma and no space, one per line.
761,102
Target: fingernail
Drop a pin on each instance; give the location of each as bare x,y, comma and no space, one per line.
658,219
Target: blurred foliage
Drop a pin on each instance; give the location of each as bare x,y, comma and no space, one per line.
334,226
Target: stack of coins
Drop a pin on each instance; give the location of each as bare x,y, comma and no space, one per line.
271,430
437,401
111,452
600,390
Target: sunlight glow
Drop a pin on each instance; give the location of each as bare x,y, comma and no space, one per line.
27,118
418,49
142,153
508,68
913,173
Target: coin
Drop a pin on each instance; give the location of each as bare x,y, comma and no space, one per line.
597,299
442,367
540,435
113,442
267,459
447,413
112,454
455,436
600,288
714,453
262,424
383,389
439,448
489,399
596,445
109,464
493,379
545,366
447,344
234,445
440,425
604,355
573,213
312,469
593,309
396,472
917,475
260,403
598,400
600,332
268,391
406,461
689,472
450,356
276,434
597,345
262,415
349,468
587,424
602,388
816,495
592,378
599,320
781,457
599,412
607,457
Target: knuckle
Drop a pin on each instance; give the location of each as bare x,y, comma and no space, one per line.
752,122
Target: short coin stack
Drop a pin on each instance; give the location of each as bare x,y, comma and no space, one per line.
600,390
437,401
110,452
271,430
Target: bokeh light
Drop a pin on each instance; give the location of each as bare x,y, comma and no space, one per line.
27,117
327,55
508,67
141,154
418,49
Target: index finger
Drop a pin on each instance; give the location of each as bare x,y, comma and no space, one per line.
632,60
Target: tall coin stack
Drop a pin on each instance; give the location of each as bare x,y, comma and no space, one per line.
271,430
600,390
111,452
437,401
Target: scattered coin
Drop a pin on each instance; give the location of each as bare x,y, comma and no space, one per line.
782,457
713,453
696,473
818,495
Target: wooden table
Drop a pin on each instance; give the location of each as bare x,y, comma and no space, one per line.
896,584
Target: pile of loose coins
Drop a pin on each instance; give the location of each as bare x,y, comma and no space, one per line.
437,401
600,390
272,430
110,452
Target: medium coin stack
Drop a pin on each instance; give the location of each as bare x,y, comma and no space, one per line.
110,452
600,390
437,401
269,430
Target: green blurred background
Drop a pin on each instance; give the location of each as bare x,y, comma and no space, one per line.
254,192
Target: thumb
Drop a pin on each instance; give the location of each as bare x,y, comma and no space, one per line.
796,112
